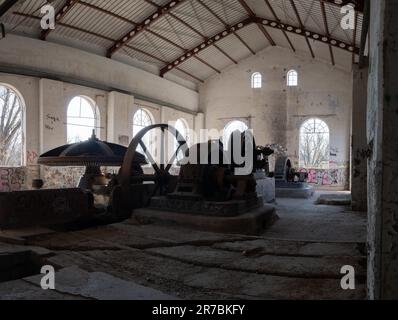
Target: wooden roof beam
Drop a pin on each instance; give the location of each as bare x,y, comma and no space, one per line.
6,5
209,42
144,25
69,4
279,21
302,26
226,27
325,21
252,15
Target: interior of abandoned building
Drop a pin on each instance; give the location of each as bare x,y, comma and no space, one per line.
102,104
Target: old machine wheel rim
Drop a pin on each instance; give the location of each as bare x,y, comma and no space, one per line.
162,171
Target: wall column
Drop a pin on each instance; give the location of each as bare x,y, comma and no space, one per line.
383,142
359,144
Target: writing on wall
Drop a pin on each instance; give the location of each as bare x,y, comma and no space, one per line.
327,177
62,177
12,179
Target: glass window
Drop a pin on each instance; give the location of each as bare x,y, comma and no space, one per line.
231,128
292,78
314,144
11,128
257,80
82,119
141,120
182,128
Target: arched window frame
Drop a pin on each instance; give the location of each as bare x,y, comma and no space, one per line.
22,128
314,128
73,121
232,126
143,118
185,126
292,78
257,80
185,134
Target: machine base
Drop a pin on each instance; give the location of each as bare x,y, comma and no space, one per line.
251,223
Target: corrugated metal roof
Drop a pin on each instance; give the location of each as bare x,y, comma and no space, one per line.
104,22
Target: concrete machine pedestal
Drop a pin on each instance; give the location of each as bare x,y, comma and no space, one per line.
251,223
289,183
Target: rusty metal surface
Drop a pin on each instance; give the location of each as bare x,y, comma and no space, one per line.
92,152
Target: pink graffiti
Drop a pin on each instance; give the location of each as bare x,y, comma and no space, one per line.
31,157
326,177
12,179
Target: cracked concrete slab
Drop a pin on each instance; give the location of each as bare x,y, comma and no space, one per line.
99,286
298,258
304,267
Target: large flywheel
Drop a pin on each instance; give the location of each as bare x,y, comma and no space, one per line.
161,163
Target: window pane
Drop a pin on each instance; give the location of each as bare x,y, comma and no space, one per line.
231,128
82,120
292,78
11,116
182,128
256,80
141,120
314,144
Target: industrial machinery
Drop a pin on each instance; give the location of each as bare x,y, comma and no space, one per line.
290,183
132,189
284,172
145,179
91,154
213,188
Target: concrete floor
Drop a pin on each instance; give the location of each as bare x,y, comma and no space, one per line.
300,257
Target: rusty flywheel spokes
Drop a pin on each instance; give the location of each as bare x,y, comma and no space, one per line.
162,168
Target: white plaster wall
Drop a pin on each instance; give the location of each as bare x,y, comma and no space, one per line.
276,111
55,97
61,61
46,103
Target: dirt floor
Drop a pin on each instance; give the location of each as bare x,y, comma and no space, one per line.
300,257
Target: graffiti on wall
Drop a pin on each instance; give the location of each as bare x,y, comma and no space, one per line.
61,177
327,177
12,179
31,157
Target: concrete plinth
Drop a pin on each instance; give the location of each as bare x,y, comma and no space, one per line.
252,223
294,190
265,187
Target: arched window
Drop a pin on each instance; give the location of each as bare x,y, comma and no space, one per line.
232,127
83,118
182,127
11,127
257,80
292,78
141,120
314,144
